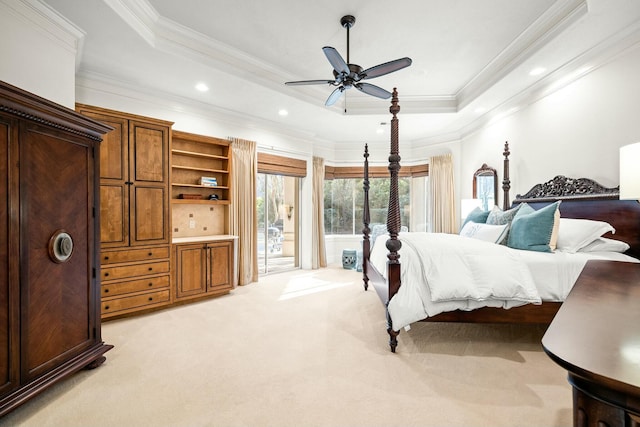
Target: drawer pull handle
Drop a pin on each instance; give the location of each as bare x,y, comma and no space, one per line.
150,283
150,268
106,291
150,253
106,274
150,298
106,307
106,258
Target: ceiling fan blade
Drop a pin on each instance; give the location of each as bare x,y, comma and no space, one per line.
373,90
335,95
336,60
310,82
386,68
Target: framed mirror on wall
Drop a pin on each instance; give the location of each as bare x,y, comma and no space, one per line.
485,187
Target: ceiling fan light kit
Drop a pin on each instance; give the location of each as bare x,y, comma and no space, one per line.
347,75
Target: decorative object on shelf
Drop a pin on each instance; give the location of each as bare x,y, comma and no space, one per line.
208,181
214,197
189,196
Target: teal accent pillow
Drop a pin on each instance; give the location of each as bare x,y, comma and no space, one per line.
477,215
532,230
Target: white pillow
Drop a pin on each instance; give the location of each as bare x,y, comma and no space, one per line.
602,244
486,232
575,234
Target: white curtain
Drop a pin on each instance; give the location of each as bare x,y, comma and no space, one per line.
319,252
442,195
243,213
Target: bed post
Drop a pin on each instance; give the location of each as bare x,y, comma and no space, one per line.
393,218
366,243
506,183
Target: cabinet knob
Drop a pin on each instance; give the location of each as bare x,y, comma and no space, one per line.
150,283
106,274
106,307
106,258
150,253
150,268
150,298
106,291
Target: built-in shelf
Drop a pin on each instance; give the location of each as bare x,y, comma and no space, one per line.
196,156
219,187
199,202
191,168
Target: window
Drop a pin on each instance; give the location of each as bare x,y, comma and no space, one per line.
344,201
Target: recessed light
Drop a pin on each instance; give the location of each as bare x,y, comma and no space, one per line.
537,71
283,112
201,87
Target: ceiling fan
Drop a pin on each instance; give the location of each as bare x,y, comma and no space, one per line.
347,75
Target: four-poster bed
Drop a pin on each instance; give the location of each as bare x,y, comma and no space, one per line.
580,198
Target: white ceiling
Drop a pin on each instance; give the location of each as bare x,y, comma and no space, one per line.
471,58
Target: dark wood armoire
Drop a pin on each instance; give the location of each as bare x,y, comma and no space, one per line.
49,245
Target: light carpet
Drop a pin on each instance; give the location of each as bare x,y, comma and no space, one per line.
306,348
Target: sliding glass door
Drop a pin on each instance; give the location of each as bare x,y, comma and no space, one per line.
277,206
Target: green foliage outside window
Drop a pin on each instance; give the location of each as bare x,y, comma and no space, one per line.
344,204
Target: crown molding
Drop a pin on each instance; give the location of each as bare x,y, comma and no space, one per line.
46,21
98,82
556,19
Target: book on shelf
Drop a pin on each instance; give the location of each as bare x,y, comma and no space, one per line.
208,181
189,196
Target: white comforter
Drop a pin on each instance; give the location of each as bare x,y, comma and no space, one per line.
446,272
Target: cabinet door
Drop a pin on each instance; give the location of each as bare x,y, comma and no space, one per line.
114,178
9,344
58,318
191,270
219,266
149,170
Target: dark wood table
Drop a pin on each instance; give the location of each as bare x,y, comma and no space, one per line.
595,336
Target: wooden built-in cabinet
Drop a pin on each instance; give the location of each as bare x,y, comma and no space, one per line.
203,269
134,197
49,296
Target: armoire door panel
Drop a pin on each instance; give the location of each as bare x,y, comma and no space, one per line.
52,332
9,361
149,153
148,220
114,211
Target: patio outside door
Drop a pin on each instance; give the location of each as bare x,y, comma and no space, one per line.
277,206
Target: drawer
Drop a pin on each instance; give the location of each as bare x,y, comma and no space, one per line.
133,302
134,270
133,255
119,288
